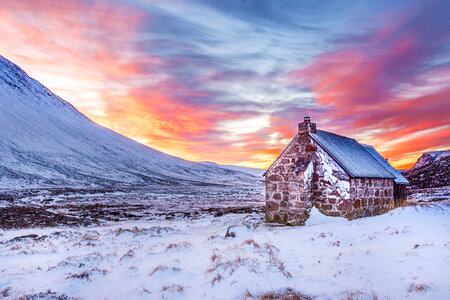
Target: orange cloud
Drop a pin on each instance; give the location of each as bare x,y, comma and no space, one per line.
86,52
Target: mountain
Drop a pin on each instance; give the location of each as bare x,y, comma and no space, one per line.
252,171
45,141
431,170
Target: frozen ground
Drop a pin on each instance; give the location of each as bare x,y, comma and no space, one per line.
404,254
429,194
70,207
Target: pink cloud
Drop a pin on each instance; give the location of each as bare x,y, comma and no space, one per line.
366,88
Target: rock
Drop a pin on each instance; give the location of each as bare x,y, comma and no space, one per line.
238,231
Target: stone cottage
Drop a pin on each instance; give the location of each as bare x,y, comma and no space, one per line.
334,173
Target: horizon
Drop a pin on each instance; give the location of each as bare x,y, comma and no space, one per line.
229,82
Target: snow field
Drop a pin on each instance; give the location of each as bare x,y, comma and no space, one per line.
402,254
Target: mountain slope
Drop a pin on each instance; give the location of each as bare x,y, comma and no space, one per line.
45,141
431,170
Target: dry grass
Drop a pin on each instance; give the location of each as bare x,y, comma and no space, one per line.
5,292
176,246
228,266
46,295
239,255
336,243
358,295
84,275
282,269
127,255
418,288
407,203
217,278
173,288
134,230
152,231
285,294
90,237
250,242
214,256
162,268
352,295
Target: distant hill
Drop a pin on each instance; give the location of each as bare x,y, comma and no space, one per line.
45,141
252,171
431,170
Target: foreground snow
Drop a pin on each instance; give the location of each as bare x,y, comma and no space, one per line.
402,254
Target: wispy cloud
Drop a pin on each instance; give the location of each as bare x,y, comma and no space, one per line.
391,85
227,81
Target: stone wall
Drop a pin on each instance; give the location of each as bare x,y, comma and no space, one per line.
288,184
370,196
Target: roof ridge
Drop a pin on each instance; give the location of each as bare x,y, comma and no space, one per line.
341,136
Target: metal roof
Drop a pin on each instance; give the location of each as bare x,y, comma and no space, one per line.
399,179
351,155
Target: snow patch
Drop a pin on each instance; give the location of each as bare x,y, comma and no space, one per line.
308,174
342,186
317,218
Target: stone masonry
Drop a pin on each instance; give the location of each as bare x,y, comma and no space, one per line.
289,184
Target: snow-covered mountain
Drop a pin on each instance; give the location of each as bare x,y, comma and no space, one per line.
252,171
429,158
431,170
46,141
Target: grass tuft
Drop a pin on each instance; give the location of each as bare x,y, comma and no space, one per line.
284,294
418,288
173,288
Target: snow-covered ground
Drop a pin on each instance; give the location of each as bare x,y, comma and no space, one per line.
430,194
402,254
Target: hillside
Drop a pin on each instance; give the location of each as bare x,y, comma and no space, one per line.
45,141
431,170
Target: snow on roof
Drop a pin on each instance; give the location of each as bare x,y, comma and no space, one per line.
399,179
351,155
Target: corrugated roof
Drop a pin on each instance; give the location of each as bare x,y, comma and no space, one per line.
399,179
351,155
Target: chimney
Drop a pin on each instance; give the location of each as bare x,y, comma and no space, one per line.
307,126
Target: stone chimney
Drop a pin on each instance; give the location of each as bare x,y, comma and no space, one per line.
307,126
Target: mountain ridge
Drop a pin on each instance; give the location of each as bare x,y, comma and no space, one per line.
44,140
431,170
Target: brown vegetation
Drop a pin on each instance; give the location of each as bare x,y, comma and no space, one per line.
162,268
173,288
418,288
285,294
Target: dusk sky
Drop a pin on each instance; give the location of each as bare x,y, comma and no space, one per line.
228,81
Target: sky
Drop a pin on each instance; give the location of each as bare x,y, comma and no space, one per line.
228,81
